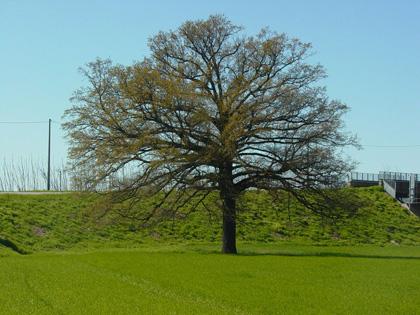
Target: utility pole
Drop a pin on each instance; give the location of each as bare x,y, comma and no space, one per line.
49,156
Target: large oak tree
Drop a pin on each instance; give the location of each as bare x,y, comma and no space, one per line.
211,109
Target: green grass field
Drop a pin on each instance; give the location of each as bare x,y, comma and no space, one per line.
265,279
56,259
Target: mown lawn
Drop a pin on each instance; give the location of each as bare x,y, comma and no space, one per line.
264,279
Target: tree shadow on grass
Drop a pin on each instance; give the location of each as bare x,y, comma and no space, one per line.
325,254
330,254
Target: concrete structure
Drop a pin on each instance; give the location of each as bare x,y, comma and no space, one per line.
404,187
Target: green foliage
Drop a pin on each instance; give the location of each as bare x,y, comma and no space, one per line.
268,279
54,222
211,109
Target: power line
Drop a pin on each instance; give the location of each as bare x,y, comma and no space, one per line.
23,122
28,122
391,146
362,145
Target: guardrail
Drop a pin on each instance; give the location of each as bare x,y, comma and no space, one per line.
360,176
397,176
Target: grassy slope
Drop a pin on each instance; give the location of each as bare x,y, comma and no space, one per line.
286,280
48,222
269,277
6,252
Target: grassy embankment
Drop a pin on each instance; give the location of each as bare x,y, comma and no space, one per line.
176,269
54,222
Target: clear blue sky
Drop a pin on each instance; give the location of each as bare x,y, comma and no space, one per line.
371,50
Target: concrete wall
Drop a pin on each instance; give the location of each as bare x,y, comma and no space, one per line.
389,187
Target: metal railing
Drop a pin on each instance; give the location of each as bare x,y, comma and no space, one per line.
397,176
373,177
358,176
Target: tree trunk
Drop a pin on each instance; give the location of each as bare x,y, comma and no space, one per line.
228,196
229,226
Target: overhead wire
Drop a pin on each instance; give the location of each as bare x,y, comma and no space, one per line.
362,145
22,122
28,122
390,146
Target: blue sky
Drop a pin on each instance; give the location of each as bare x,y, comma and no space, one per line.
370,49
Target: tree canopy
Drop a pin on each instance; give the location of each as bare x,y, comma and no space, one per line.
210,109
